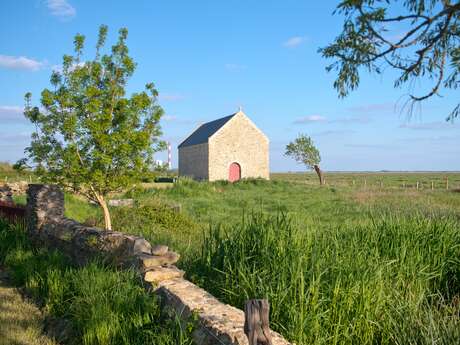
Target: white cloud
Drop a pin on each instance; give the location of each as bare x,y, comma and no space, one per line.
170,97
341,120
11,113
169,117
20,62
334,132
14,138
10,109
351,119
431,126
58,68
372,146
234,67
310,119
294,41
374,108
61,9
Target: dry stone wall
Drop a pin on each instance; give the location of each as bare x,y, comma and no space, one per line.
216,323
7,190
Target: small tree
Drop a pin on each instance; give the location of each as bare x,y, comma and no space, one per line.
90,137
304,151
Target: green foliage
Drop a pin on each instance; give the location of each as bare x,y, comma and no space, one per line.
90,137
388,254
155,213
303,150
395,281
103,306
371,39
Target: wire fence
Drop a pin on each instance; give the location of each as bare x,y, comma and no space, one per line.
406,182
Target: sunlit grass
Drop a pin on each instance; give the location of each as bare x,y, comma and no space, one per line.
393,281
101,305
340,264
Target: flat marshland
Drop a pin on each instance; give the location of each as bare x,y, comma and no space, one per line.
366,259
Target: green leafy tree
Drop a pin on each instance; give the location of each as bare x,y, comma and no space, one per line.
422,42
90,137
303,150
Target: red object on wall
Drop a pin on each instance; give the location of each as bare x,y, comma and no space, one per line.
12,213
234,172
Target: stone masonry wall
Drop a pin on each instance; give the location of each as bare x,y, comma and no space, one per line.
240,141
215,323
193,161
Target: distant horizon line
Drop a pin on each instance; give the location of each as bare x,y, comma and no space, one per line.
364,171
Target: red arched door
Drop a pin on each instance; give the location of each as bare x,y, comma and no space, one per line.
234,172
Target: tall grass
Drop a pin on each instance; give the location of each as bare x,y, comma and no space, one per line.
102,306
396,281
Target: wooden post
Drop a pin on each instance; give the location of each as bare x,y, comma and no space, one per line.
417,185
447,182
432,185
256,323
365,183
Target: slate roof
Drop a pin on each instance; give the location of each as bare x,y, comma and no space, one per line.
202,133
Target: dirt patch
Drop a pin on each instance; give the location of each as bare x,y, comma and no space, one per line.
20,321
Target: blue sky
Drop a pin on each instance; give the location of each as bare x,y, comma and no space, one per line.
209,57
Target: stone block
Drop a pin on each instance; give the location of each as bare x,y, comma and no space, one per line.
45,203
121,202
159,249
141,245
217,323
148,261
159,274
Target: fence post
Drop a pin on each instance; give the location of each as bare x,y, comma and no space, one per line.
256,323
432,185
447,183
417,185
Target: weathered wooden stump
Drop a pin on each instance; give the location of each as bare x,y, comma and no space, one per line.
256,323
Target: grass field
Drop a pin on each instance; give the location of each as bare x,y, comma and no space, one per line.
368,263
91,305
20,321
393,180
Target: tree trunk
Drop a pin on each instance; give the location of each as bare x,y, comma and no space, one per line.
105,209
320,174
